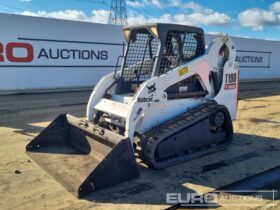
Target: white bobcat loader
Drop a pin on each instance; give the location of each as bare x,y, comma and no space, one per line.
172,101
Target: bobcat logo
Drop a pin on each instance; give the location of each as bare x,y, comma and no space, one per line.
152,88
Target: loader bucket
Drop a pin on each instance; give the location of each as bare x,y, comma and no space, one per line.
83,157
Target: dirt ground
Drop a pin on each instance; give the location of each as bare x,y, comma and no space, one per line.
24,185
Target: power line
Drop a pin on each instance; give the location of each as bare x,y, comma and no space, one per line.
11,7
96,2
140,10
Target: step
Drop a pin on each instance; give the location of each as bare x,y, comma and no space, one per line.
113,107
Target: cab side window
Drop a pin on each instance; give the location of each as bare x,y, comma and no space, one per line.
190,45
180,47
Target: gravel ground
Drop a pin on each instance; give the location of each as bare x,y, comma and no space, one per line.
24,185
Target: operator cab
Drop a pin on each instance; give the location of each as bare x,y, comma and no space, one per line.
155,49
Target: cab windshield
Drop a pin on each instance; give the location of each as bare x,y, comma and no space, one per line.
140,56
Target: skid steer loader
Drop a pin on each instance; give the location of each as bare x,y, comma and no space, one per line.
173,100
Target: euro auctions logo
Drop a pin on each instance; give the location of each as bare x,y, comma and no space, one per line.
20,52
7,52
218,198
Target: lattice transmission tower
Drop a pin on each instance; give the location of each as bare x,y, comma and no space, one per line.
118,14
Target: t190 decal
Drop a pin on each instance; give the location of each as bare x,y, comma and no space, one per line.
230,81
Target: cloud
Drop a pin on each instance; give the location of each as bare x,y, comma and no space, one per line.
67,15
100,16
195,7
270,39
136,4
145,3
210,19
258,19
241,36
141,19
214,32
275,6
190,13
25,0
192,19
157,3
198,14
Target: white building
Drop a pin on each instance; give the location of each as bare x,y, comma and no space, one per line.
41,53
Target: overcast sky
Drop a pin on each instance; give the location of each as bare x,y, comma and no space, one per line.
246,18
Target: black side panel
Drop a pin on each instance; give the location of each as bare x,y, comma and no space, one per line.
55,134
118,166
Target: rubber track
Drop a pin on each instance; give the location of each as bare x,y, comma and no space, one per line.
150,140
